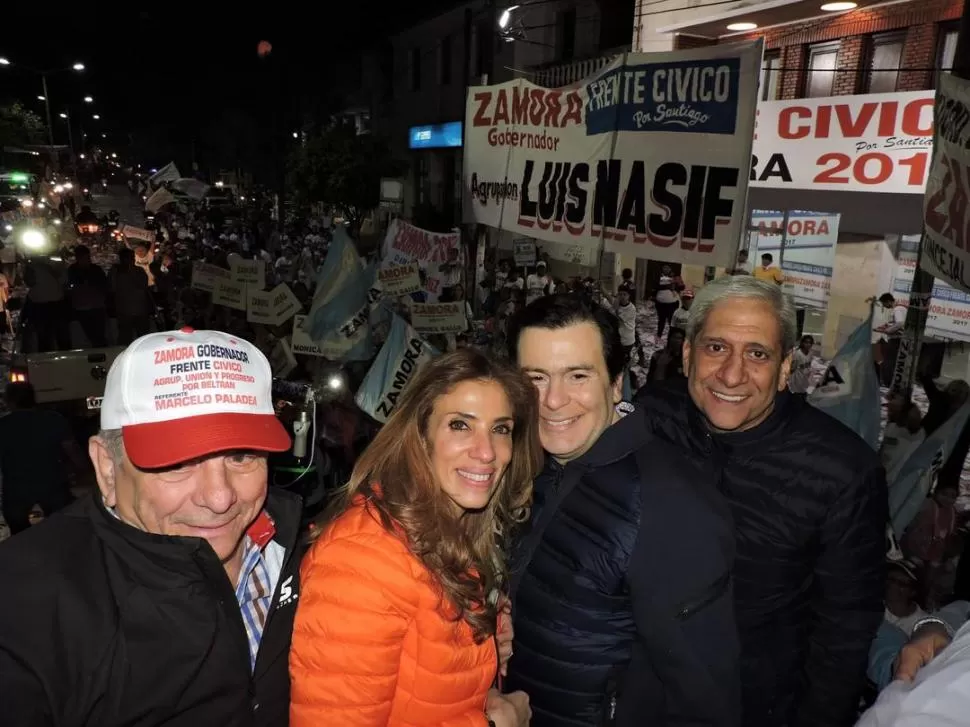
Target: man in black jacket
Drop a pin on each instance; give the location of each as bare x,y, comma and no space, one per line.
808,499
168,598
620,585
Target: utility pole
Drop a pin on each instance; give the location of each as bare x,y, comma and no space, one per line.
911,342
47,108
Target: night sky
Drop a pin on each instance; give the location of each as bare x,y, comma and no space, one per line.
182,65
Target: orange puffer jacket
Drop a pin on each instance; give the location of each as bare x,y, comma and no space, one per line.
370,644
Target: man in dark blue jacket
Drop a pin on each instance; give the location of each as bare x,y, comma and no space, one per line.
808,500
621,583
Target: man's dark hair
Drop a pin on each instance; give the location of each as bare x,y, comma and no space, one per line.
887,299
767,256
568,309
20,395
82,251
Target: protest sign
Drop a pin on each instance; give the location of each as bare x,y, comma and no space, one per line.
406,243
138,233
251,272
439,317
399,279
230,294
524,251
205,277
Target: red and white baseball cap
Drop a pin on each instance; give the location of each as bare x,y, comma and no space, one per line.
180,395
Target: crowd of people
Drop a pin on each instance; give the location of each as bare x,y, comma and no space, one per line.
519,543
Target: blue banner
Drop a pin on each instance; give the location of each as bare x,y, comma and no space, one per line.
403,353
917,476
696,96
339,317
849,390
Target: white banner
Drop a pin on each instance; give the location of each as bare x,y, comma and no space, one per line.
395,280
650,155
946,246
876,142
406,243
206,277
439,317
251,272
809,251
949,315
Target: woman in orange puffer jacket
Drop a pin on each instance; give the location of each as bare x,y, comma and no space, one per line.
400,593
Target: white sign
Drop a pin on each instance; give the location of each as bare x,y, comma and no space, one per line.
650,155
869,143
949,315
251,272
439,317
230,294
406,243
271,307
524,251
138,233
809,254
206,277
946,246
396,280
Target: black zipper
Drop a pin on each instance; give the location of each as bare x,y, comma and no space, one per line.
716,590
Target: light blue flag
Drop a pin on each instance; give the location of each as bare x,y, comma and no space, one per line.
849,391
917,476
404,352
342,288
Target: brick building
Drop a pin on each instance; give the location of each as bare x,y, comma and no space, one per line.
872,48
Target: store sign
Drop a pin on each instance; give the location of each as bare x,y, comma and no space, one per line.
949,315
878,142
809,254
649,155
435,136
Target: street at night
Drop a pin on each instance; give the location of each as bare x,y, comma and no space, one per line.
557,364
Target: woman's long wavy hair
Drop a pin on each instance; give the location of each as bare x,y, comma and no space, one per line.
465,552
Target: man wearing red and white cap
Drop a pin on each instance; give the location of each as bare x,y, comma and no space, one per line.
168,597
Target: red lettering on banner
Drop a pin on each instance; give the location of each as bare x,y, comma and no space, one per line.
551,108
871,119
956,223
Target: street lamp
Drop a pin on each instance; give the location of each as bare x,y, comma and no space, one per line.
63,116
89,99
43,73
96,117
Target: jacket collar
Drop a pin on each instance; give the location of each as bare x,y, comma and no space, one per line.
164,560
669,411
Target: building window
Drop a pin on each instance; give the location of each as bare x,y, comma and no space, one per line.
444,61
414,67
822,59
770,75
885,58
947,49
567,34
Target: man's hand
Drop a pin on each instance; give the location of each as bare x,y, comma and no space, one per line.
928,641
504,636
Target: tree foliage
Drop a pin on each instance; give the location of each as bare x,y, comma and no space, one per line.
20,126
341,168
